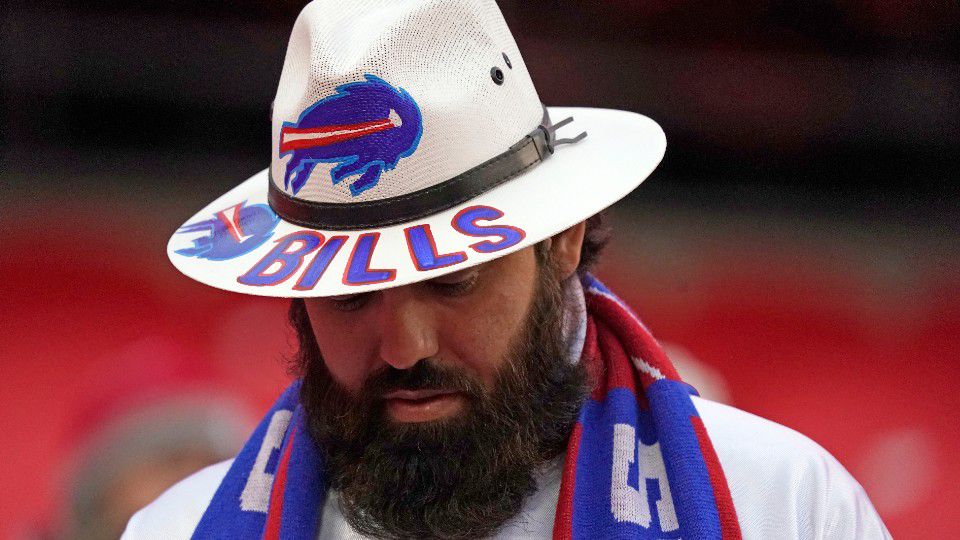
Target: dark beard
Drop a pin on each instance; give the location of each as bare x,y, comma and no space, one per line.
459,478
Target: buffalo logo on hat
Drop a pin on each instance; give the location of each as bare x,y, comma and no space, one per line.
366,127
231,232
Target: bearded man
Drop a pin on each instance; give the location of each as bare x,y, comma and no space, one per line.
462,375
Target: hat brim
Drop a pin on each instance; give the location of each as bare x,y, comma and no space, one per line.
229,246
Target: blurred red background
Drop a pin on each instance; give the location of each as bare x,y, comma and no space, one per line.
856,355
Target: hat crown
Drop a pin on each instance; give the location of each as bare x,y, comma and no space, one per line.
381,98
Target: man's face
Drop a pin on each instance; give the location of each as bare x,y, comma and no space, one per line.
433,404
465,321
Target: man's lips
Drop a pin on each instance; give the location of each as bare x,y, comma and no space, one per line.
422,405
415,394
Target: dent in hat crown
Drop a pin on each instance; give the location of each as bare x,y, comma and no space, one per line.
381,98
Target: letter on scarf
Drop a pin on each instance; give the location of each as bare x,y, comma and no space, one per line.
633,504
256,492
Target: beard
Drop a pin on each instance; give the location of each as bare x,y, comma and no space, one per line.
461,477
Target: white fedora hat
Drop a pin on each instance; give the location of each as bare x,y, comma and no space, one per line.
408,142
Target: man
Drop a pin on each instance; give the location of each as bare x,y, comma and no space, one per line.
462,374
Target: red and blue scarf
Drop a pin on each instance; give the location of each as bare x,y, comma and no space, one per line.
639,463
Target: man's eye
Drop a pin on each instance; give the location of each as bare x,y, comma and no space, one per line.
348,302
455,285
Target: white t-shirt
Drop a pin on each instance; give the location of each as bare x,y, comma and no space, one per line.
783,486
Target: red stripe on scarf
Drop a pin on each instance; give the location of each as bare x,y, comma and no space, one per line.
729,526
619,371
593,362
275,514
563,520
636,336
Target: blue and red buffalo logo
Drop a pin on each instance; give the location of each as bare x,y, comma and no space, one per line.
366,127
231,232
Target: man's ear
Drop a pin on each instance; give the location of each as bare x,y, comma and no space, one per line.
565,249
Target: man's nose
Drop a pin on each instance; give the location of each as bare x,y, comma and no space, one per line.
407,330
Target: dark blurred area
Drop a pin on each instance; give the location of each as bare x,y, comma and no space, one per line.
799,241
835,106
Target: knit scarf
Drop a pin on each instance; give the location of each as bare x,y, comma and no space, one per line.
639,462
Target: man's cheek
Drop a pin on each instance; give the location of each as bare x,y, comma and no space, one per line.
348,375
480,358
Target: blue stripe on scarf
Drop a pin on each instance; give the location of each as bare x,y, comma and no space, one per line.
693,493
693,501
306,486
225,517
592,500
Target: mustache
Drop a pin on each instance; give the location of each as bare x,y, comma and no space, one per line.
426,374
